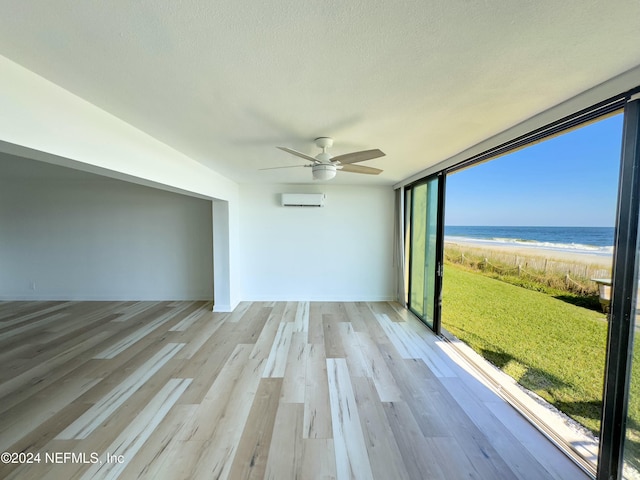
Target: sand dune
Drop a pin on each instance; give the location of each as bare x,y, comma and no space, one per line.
605,261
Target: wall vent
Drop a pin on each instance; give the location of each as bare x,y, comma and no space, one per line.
303,199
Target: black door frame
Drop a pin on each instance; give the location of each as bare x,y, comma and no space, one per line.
439,266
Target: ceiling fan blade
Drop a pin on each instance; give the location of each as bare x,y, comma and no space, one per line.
358,156
298,154
289,166
360,169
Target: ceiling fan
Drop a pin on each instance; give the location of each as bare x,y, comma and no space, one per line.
324,166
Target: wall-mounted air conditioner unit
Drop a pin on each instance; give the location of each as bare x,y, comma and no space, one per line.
303,199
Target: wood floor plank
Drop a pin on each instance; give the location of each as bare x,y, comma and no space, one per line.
383,379
265,341
411,345
501,439
22,386
27,416
477,447
289,312
352,459
221,447
285,450
412,444
214,402
354,316
8,334
250,461
93,417
317,409
318,459
384,308
21,352
205,365
448,454
398,311
358,366
384,454
293,385
333,346
378,335
336,309
160,448
35,313
302,317
208,327
558,466
400,341
277,360
238,312
316,330
54,338
136,434
253,322
205,446
140,333
40,440
128,312
438,365
70,329
291,456
422,393
190,319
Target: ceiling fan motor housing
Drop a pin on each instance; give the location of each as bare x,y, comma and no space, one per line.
322,171
323,157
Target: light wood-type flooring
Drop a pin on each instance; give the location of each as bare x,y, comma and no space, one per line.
279,390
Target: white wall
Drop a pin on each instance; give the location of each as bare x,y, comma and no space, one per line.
340,252
66,234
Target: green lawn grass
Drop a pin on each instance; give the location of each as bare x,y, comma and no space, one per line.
551,347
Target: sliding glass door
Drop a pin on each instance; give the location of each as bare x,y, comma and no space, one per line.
424,232
619,455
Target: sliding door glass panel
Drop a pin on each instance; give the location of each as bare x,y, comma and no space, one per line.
418,243
632,437
430,261
407,243
423,258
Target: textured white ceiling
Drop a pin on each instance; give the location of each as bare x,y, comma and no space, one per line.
226,81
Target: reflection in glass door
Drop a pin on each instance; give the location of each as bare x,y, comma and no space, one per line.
424,248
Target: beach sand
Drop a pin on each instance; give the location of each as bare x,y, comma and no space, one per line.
603,261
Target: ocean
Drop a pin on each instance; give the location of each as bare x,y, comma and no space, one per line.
594,240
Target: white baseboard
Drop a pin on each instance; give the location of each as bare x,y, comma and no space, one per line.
312,298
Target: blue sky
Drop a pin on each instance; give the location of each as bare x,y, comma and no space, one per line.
569,180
